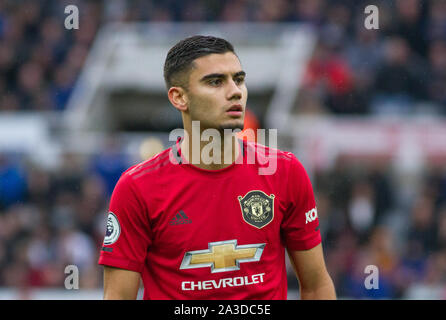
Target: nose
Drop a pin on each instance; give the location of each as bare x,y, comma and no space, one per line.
234,91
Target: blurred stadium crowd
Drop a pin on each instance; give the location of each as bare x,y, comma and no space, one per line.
401,66
50,219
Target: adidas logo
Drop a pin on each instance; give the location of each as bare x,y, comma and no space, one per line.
180,218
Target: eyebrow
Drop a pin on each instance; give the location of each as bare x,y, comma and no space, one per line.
221,75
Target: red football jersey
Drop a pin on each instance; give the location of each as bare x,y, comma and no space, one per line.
211,234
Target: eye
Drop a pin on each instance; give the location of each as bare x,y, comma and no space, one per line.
215,82
239,80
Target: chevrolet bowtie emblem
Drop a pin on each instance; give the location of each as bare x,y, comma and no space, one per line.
222,256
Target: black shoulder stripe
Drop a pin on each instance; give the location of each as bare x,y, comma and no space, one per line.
176,152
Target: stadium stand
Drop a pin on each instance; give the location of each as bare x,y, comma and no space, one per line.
385,208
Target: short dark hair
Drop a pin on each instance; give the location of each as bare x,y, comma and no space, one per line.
181,56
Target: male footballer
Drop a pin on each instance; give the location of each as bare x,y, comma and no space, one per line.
197,229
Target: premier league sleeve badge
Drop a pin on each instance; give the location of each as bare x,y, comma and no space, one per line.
113,229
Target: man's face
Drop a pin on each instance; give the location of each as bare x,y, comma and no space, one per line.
217,92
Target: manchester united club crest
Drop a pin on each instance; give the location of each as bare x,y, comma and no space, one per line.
257,208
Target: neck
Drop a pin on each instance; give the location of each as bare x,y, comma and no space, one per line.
218,151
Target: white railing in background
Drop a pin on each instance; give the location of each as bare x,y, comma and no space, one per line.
132,56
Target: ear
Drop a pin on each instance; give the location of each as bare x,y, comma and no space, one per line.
178,97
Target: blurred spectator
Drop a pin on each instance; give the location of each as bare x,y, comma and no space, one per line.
440,232
436,269
362,209
384,196
329,75
12,183
30,84
383,251
397,86
92,202
332,221
109,164
39,187
437,73
68,177
75,248
410,23
62,87
364,54
9,102
378,253
436,24
266,12
309,11
309,102
421,233
234,11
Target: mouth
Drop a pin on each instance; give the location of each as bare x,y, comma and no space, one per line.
235,110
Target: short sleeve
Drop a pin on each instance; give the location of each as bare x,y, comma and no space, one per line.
300,226
128,232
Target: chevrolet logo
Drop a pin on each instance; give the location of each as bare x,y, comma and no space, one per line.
222,256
